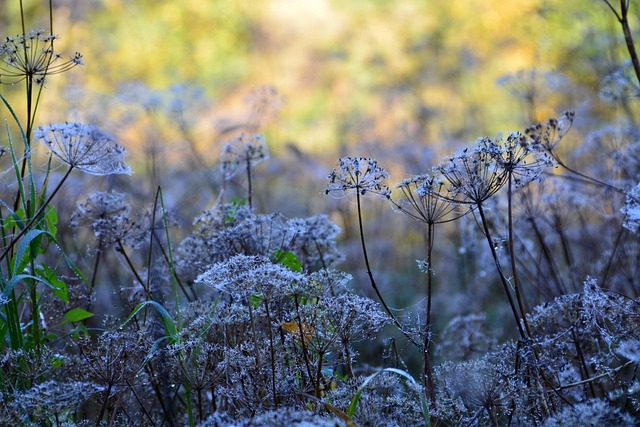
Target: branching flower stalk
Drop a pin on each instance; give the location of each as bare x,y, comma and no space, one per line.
425,199
623,19
363,176
31,57
243,151
546,137
474,177
522,164
82,147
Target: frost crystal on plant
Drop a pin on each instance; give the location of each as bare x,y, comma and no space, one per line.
242,151
31,56
84,147
244,275
425,198
360,174
547,136
631,210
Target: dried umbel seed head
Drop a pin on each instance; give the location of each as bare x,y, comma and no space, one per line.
84,147
242,151
546,136
360,174
426,198
31,56
474,175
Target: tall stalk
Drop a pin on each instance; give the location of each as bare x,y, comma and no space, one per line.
503,278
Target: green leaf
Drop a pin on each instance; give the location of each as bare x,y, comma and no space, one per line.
59,287
255,300
51,217
167,321
235,205
288,259
19,263
76,315
15,219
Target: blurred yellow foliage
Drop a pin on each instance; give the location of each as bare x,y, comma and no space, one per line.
348,71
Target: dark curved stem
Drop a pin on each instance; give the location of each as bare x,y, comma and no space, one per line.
370,274
36,215
427,369
249,189
512,256
503,278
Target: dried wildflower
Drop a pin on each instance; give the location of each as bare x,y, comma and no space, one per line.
592,412
619,85
244,151
100,205
84,147
282,417
360,174
31,56
244,275
264,102
113,220
546,136
47,401
522,159
314,242
631,210
426,199
533,85
474,175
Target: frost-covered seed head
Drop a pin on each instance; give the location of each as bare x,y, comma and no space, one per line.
84,147
31,56
360,174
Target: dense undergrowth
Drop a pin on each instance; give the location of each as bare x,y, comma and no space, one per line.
116,312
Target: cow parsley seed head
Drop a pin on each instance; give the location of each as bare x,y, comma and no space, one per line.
113,220
360,174
522,159
474,175
31,56
533,85
426,198
84,147
244,151
100,205
546,136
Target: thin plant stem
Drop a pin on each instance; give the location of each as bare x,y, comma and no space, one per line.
249,189
503,278
273,354
305,352
370,274
36,215
512,255
427,371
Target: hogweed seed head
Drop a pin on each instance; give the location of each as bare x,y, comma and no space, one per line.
426,198
31,56
474,175
360,174
84,147
546,136
244,150
522,159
